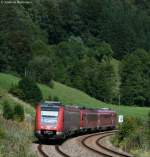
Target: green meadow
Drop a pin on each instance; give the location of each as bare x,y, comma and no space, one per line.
71,96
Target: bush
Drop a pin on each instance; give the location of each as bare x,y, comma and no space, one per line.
2,132
8,111
49,98
27,90
127,128
16,113
32,92
130,135
56,98
19,113
16,91
147,131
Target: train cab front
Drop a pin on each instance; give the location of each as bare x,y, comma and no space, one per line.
49,121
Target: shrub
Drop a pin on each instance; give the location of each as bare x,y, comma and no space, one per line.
130,135
16,91
27,90
8,111
56,98
147,131
49,97
19,113
126,128
32,92
2,133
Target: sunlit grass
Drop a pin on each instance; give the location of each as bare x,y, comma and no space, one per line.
71,96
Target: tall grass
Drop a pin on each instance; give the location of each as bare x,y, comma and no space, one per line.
16,139
134,136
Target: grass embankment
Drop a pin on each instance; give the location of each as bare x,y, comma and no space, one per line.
134,136
69,95
15,138
5,96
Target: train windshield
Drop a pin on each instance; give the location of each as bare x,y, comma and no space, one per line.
49,115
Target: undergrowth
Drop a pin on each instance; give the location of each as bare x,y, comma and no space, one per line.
15,138
134,136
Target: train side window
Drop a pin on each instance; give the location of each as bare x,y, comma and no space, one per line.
82,117
106,116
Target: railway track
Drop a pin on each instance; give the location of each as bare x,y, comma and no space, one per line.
103,150
61,152
98,148
41,151
58,150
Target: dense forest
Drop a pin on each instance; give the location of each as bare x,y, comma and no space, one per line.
77,42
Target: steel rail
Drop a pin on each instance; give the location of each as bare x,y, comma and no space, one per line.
59,151
108,150
98,142
41,151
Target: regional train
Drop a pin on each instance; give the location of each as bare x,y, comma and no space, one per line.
56,121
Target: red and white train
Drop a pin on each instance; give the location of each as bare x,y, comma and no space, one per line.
54,121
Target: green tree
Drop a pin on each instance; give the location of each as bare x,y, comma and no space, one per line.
104,82
135,78
103,51
32,92
41,70
17,32
40,48
53,21
70,18
67,54
90,13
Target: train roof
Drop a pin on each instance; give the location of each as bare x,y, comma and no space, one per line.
102,110
50,103
57,103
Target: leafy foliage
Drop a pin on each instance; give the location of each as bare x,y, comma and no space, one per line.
2,132
56,98
132,134
68,40
135,78
8,112
19,114
41,70
13,113
16,35
31,91
17,91
27,90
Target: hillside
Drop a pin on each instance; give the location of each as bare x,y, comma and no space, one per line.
69,95
5,96
18,134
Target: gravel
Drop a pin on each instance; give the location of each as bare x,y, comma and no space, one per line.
74,148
